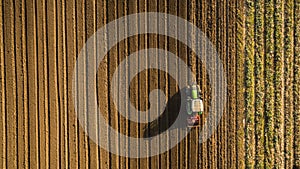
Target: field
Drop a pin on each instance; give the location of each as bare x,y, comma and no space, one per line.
257,41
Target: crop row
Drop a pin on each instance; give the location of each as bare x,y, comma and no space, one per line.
297,83
249,84
259,84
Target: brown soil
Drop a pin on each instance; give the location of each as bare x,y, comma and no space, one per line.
40,41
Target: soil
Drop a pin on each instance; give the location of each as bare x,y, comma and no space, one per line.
40,41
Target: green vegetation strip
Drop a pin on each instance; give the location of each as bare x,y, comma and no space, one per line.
269,85
278,79
288,76
240,84
297,84
259,83
249,95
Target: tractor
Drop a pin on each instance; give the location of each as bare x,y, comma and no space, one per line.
194,105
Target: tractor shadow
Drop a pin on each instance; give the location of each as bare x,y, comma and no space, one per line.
173,117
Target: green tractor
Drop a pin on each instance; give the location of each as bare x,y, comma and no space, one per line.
194,105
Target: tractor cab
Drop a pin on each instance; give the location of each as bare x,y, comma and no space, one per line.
194,105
